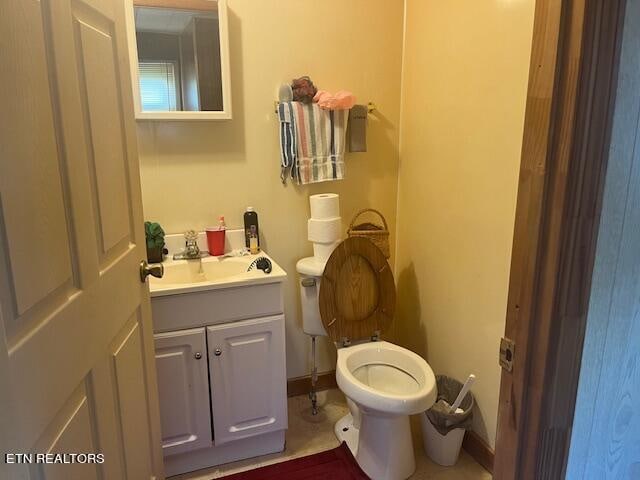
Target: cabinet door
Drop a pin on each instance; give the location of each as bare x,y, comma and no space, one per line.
183,386
248,378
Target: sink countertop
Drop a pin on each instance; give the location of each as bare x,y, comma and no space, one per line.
211,273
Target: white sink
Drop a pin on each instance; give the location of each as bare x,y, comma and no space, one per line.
210,273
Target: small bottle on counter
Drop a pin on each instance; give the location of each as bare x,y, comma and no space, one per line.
254,248
251,227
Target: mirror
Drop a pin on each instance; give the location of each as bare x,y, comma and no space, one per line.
179,59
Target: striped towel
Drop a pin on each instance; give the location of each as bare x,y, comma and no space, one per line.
320,139
287,140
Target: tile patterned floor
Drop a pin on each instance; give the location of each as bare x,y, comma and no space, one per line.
308,434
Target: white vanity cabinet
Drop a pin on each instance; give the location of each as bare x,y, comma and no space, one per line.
220,360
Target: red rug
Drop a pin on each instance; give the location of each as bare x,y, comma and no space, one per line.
336,464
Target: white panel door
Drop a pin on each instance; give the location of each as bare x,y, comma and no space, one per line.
76,343
183,385
248,378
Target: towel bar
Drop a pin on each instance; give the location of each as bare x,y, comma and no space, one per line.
371,107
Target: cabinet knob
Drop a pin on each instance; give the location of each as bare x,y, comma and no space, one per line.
198,355
217,352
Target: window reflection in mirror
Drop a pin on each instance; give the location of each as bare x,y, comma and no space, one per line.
179,66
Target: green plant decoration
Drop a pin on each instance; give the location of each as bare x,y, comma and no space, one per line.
154,235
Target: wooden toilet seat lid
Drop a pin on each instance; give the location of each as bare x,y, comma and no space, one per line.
357,293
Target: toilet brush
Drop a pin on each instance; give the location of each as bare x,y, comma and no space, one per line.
463,393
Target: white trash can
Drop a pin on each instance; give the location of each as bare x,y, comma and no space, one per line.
443,430
442,449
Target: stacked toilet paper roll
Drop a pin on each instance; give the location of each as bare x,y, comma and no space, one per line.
323,228
325,205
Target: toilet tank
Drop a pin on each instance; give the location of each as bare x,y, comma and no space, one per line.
310,272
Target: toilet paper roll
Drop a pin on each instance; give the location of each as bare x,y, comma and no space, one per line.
325,205
324,230
322,251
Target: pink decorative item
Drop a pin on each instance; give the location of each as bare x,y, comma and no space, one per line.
341,100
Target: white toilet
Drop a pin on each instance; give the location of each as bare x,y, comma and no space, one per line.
352,300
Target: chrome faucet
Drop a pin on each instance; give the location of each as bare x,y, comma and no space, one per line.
191,250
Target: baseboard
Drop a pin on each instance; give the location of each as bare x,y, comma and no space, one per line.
302,385
479,450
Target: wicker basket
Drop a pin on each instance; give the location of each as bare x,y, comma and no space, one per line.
379,235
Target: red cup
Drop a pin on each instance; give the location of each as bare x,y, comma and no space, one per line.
215,241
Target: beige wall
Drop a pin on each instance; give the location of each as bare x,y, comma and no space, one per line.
463,92
194,171
464,85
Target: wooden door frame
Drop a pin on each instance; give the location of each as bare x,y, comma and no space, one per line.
572,83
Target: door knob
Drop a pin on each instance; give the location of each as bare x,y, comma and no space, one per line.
217,352
156,270
198,355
